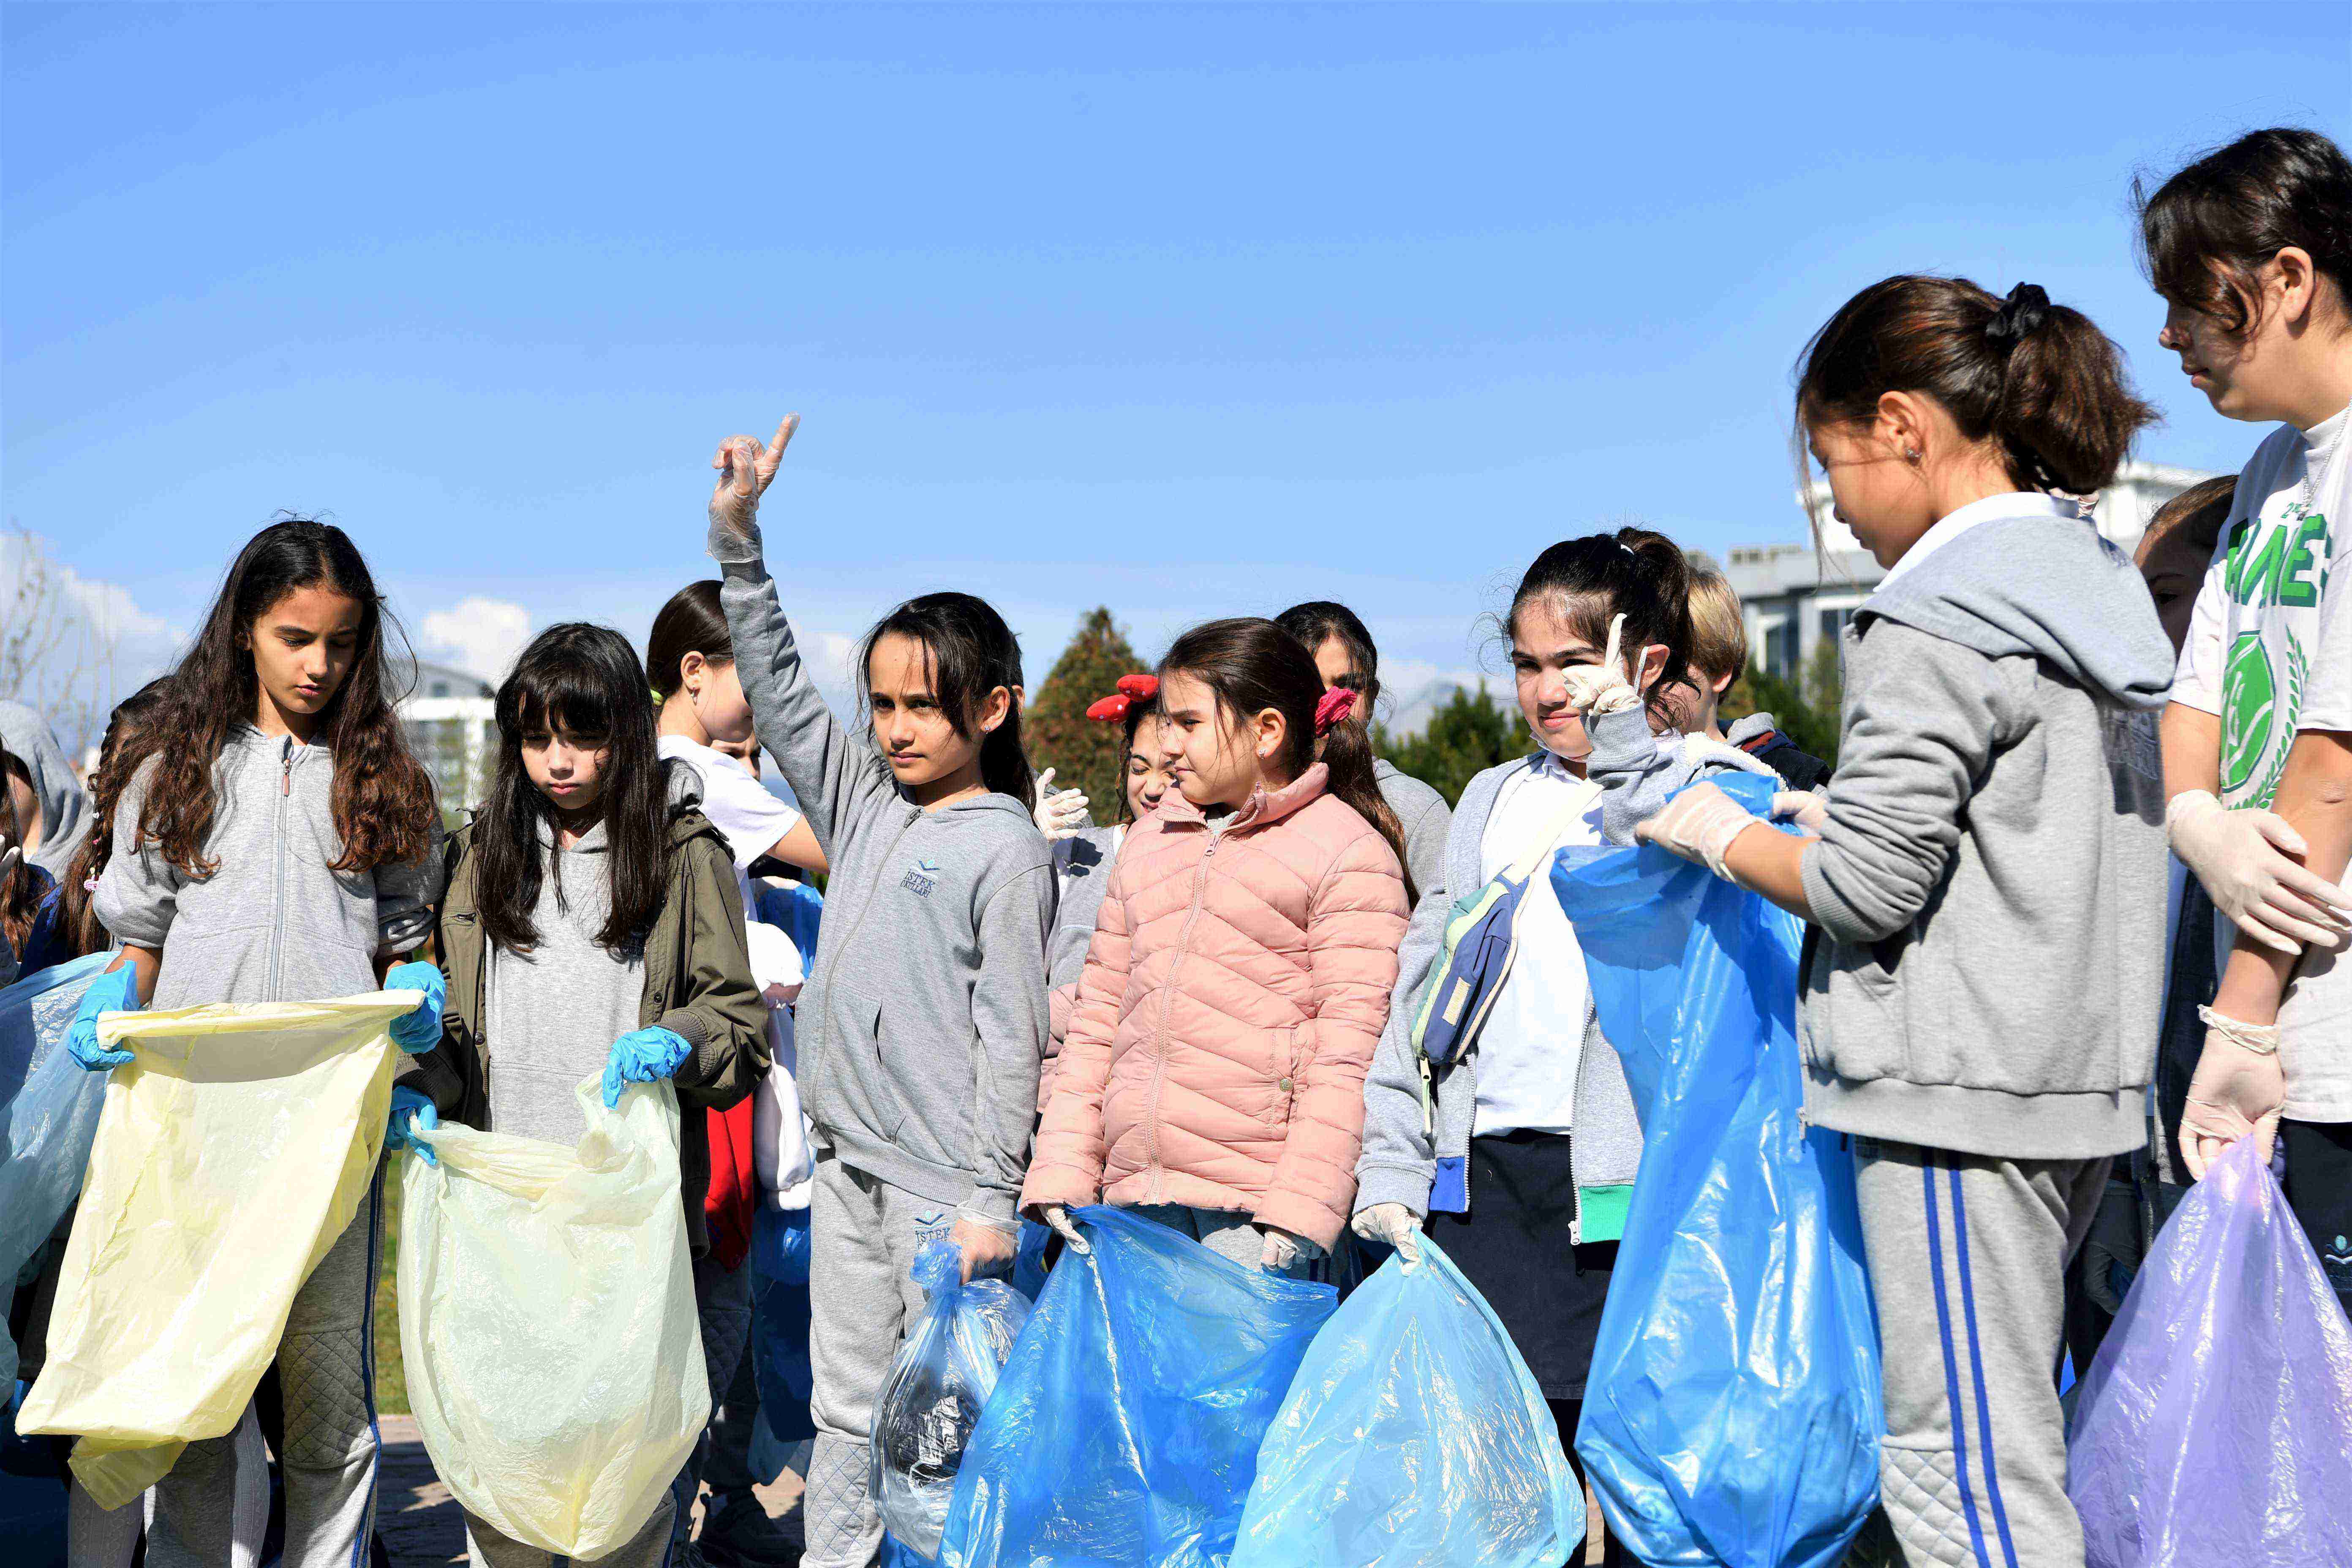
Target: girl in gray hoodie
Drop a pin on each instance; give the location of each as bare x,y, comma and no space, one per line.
280,847
924,1017
1987,875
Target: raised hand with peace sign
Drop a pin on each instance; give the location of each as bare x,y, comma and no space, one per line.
745,469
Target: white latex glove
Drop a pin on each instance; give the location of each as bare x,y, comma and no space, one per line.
1061,813
1808,809
1282,1249
1698,825
2237,1090
2242,859
746,470
1394,1225
1594,689
1066,1228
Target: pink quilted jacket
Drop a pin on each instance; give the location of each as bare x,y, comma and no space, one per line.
1235,987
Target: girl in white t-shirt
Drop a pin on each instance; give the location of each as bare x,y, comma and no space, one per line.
2251,249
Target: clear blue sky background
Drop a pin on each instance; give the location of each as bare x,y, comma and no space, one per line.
1189,311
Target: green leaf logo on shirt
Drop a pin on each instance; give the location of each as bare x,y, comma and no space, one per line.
2250,695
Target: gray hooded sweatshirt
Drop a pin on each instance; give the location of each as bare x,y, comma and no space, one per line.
65,809
924,1017
274,922
1991,877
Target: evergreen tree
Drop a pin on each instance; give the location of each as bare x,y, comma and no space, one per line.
1805,711
1083,754
1470,734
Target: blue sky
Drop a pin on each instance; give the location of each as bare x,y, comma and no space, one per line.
1190,311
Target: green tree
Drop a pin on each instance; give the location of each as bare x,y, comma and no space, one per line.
1806,710
1470,734
1083,754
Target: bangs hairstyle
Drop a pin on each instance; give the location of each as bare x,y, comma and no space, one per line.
130,735
583,682
2206,234
1318,620
1252,665
1635,572
383,796
969,652
2040,380
691,622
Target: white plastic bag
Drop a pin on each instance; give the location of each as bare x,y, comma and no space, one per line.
781,1151
547,1322
233,1150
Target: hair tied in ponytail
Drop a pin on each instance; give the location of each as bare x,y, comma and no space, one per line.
1332,706
2019,316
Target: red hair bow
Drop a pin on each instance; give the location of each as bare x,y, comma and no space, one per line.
1134,691
1333,706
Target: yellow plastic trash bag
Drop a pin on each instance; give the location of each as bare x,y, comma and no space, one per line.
547,1322
234,1148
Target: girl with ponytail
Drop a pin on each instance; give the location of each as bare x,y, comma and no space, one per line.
1979,1007
1213,1073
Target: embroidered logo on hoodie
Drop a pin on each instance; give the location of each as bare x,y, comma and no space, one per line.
921,878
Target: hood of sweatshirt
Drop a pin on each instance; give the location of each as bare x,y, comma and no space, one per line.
65,809
2047,585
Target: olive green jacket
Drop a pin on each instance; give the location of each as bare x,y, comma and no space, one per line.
698,986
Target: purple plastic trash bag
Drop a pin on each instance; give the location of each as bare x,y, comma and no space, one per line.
2214,1428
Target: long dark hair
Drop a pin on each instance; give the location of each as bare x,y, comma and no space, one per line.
585,682
1252,665
2207,232
691,622
130,740
1635,572
1316,622
383,795
19,904
2038,379
973,652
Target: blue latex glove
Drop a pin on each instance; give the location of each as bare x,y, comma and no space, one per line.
410,1110
113,992
419,1031
643,1055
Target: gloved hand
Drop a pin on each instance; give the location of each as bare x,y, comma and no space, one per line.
1066,1228
1061,813
114,991
1698,824
410,1110
2236,1091
1282,1249
1808,809
1395,1224
418,1031
1594,689
984,1244
643,1055
2114,1243
745,469
2242,859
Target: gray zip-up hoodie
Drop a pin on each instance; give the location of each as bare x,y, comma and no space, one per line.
273,923
923,1021
65,808
1423,814
1991,877
1416,1151
1639,770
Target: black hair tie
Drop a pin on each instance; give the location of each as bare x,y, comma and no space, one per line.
2027,307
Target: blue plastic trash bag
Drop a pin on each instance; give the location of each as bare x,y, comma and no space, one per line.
2215,1423
1124,1430
1029,1262
1414,1437
780,1323
940,1381
1732,1415
48,1116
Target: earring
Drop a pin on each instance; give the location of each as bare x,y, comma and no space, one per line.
1911,456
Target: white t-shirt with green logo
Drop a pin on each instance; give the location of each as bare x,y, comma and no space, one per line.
2270,653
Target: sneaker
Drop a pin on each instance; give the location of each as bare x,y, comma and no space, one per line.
737,1533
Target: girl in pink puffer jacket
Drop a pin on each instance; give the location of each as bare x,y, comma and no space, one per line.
1239,976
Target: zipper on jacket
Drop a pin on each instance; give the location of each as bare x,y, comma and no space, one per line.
1168,1006
278,895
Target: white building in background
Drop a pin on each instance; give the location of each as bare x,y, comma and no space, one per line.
1795,595
451,719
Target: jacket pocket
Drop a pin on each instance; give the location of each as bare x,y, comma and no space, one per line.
1281,1073
924,1093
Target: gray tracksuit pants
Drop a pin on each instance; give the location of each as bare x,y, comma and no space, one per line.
326,1364
722,1305
863,1233
1967,1257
